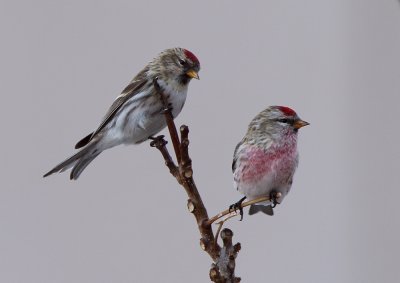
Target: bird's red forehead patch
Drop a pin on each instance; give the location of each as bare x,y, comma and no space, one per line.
287,111
191,56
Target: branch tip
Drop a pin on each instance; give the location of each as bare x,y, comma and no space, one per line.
226,236
237,247
184,128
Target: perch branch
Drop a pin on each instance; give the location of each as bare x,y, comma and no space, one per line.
223,268
160,144
169,119
233,213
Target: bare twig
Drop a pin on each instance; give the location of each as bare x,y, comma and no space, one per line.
169,119
160,144
221,223
229,211
223,268
199,211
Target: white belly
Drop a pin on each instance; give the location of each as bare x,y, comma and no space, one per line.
263,188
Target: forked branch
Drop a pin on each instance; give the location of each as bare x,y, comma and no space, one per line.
223,267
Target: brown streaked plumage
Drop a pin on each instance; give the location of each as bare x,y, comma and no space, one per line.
135,115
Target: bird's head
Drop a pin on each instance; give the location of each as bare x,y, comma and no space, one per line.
176,66
276,121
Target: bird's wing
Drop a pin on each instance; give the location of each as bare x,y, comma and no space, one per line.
134,87
235,156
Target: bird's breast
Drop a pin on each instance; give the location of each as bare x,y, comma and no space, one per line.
175,94
259,172
277,164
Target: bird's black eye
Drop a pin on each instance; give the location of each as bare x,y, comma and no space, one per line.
284,120
182,62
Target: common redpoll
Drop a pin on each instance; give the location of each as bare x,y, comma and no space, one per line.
266,158
136,113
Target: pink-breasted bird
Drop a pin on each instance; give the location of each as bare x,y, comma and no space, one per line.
136,113
266,158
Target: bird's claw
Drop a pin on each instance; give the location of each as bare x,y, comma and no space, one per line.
237,206
274,198
157,141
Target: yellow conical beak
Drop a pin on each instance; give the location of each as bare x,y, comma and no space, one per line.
300,123
193,74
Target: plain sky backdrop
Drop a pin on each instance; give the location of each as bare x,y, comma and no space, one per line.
337,63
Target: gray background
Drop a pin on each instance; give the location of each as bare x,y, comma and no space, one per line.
337,63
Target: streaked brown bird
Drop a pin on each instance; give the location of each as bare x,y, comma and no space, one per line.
136,113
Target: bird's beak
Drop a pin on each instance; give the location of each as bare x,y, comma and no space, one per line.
299,124
193,74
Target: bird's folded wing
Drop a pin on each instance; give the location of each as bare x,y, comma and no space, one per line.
135,86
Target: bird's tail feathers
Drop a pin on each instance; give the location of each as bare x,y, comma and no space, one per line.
78,162
81,165
267,209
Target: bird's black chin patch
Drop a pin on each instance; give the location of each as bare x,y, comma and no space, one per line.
184,79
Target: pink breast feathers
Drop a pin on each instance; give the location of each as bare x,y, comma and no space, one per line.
257,163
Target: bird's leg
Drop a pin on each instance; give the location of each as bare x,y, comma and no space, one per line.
236,206
274,198
157,141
